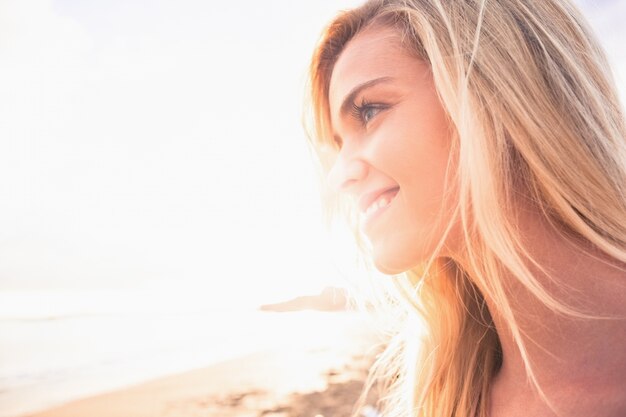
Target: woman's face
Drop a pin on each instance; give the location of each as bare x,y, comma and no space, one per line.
395,145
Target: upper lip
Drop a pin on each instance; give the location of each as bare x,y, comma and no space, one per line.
368,198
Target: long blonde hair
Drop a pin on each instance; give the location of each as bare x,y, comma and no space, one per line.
531,97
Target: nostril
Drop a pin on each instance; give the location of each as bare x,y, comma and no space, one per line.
345,173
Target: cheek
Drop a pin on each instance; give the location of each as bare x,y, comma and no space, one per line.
417,158
412,234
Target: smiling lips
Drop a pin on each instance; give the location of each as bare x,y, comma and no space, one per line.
372,203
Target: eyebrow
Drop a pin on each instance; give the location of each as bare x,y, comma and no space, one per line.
349,100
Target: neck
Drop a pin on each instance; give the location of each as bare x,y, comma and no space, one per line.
579,363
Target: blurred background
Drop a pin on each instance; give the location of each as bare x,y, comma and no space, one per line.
157,189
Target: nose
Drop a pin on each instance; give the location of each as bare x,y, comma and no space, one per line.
346,171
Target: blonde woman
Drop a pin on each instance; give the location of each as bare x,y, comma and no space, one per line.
482,144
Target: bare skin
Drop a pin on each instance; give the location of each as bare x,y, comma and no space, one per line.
580,364
401,143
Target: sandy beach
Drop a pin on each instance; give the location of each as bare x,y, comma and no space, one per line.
322,380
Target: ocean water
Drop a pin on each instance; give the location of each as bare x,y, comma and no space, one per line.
47,361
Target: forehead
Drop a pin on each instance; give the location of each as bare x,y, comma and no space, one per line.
373,53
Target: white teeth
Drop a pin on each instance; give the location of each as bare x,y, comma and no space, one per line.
377,205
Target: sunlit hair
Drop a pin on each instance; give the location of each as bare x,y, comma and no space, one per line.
536,116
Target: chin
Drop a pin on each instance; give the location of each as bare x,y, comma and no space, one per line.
391,262
392,257
388,270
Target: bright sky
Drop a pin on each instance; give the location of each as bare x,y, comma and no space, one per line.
153,143
158,144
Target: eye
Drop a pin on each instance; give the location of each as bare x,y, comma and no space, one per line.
366,111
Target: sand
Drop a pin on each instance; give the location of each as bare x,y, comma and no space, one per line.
316,381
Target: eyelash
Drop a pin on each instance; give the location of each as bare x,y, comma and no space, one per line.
359,111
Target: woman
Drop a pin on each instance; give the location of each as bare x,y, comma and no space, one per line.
483,145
